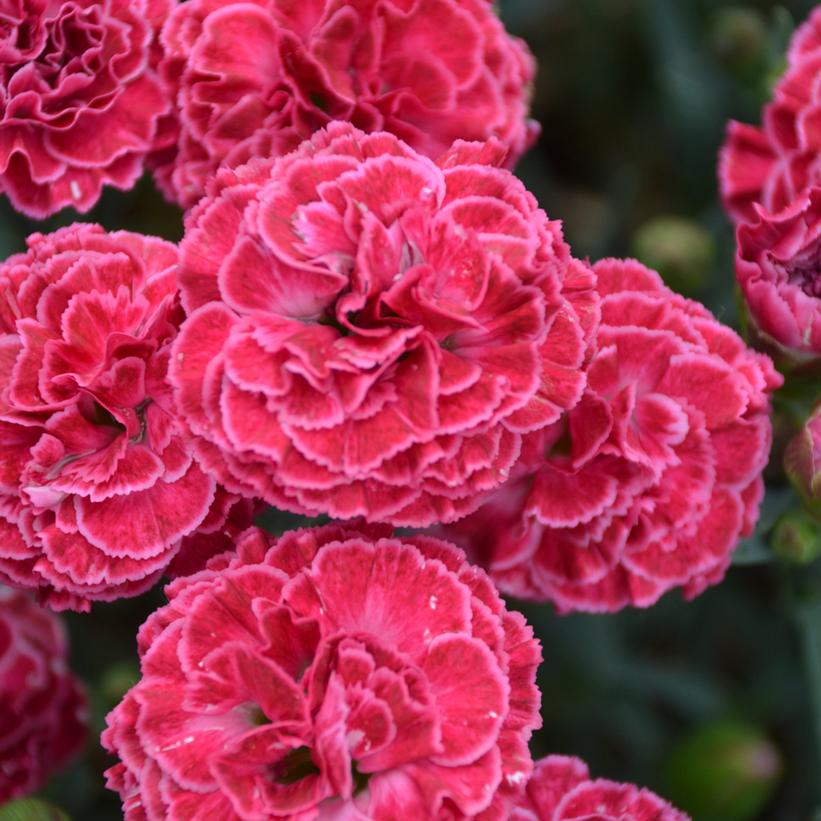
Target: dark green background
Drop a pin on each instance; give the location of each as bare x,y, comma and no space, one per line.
633,96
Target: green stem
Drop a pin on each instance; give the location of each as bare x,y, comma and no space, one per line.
808,612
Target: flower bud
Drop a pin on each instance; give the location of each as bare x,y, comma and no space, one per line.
797,537
739,38
724,771
116,682
802,462
679,249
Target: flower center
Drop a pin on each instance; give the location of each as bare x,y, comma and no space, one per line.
360,780
299,762
295,766
804,271
131,420
95,413
808,280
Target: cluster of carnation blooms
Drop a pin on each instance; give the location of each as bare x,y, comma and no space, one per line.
770,179
370,318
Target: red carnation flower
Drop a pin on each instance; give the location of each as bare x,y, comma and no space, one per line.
370,333
42,706
656,474
560,789
80,103
97,483
253,79
775,164
331,673
778,269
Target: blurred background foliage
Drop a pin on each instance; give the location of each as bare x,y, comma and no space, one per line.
715,703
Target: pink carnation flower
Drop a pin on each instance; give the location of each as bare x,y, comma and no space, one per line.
657,473
80,104
331,673
371,333
560,789
253,79
778,269
97,482
42,706
775,164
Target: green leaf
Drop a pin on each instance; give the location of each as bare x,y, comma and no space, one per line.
754,550
31,809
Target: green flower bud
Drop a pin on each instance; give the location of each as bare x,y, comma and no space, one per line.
797,537
117,681
802,462
679,249
739,37
724,771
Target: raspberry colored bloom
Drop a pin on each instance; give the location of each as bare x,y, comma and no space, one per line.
776,163
253,79
42,706
779,271
561,789
97,482
80,103
332,673
656,474
370,333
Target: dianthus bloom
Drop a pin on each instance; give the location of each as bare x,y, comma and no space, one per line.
779,270
80,103
332,673
97,483
42,706
561,789
657,473
253,79
776,163
371,333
